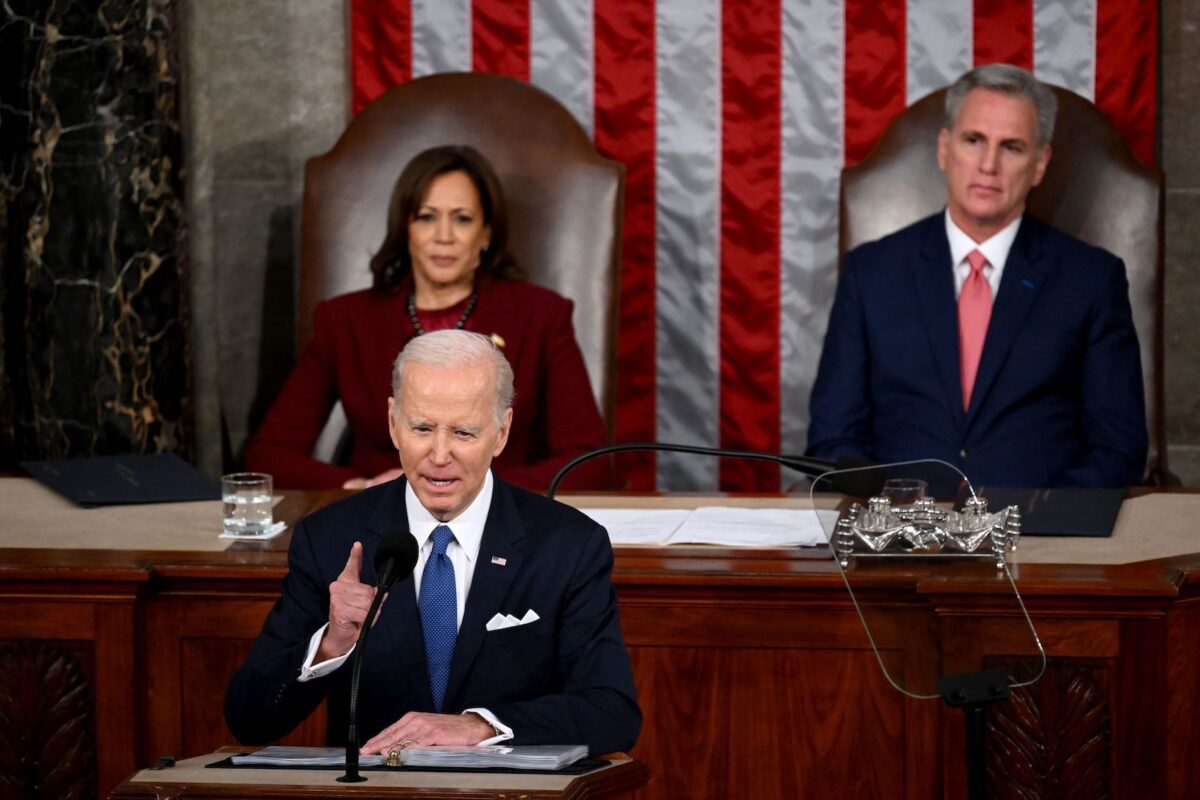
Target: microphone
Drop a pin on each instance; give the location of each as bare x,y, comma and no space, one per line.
394,560
812,467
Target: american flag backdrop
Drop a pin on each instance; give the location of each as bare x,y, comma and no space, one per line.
734,119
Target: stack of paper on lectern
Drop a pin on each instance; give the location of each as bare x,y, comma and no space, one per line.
718,525
539,757
495,756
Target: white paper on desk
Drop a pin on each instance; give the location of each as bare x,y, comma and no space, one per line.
828,518
751,527
638,525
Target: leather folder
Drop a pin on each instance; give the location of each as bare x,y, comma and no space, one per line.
124,479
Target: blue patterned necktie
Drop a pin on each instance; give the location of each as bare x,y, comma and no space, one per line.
439,613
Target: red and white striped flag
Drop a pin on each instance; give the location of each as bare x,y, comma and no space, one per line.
734,119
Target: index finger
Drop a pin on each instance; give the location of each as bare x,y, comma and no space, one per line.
353,566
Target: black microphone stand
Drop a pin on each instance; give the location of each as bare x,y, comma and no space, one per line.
396,557
972,692
352,775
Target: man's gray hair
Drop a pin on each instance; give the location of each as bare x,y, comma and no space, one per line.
1010,80
457,348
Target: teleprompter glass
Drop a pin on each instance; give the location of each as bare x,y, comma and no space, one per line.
932,572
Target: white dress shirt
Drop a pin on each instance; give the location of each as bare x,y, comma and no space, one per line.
995,250
463,552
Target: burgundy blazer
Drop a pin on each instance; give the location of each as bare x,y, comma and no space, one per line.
356,338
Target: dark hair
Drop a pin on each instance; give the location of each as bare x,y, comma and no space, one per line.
393,263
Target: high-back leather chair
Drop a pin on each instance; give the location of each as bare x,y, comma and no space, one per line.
564,199
1094,189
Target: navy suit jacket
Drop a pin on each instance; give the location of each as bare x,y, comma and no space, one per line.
564,679
1058,398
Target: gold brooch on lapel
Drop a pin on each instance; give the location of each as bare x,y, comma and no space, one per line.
498,340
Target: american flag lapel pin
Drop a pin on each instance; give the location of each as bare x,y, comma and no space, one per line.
499,561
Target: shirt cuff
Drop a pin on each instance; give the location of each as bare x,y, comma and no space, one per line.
309,670
504,733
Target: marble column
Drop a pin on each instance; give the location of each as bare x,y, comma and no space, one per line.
265,87
92,268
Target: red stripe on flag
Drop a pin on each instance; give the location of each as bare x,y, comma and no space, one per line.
749,290
380,48
1127,43
500,37
625,131
875,63
1004,32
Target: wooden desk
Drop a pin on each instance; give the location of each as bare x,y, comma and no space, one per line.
754,675
194,780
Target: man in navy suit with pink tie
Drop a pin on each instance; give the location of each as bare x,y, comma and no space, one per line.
980,335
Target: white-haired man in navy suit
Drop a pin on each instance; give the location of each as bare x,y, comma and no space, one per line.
507,630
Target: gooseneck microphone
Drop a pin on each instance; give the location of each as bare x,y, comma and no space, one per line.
812,467
394,560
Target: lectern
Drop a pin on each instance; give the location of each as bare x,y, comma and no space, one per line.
195,780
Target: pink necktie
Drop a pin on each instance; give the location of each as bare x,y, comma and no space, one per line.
974,311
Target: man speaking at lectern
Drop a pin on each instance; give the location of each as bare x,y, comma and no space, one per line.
507,629
1041,386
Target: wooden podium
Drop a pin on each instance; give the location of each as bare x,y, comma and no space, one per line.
192,779
120,629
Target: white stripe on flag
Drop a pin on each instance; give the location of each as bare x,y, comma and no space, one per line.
561,48
940,44
810,161
441,36
687,202
1064,44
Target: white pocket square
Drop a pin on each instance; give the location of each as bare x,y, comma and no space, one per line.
502,621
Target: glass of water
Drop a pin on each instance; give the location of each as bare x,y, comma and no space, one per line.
903,492
247,503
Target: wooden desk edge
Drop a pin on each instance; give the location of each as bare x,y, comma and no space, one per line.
620,777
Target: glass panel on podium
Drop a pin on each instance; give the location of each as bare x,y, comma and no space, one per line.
929,567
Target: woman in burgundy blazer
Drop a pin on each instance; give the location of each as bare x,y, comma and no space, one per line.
442,264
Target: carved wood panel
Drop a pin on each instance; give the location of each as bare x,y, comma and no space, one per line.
1054,739
47,728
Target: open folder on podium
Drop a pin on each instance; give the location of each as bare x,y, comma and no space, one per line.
1061,511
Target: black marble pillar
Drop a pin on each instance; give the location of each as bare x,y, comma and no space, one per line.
92,270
